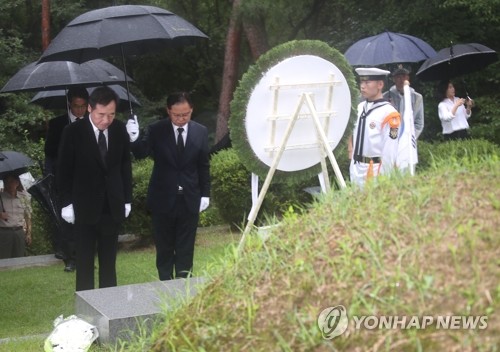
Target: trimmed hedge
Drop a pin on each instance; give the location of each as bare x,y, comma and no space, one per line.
231,191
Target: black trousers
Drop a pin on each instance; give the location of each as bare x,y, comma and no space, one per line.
68,243
174,236
103,238
460,134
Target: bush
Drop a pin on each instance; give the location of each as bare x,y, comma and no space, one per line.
139,221
231,191
432,154
42,229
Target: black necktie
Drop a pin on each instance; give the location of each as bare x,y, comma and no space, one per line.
180,141
103,148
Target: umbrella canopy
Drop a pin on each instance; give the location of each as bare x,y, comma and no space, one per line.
387,48
119,30
62,74
56,99
16,162
456,60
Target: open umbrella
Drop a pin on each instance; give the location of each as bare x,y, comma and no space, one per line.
62,74
386,48
455,61
120,31
56,99
14,162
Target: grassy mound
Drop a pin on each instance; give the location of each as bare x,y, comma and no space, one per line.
421,246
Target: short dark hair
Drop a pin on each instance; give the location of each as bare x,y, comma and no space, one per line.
179,97
103,95
77,92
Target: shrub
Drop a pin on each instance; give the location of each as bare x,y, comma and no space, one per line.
139,221
231,190
42,229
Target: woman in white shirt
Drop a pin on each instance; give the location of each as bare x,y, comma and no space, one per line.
453,112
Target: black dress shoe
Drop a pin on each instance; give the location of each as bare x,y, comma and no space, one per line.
70,267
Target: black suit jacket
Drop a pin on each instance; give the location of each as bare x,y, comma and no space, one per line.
191,172
85,181
52,140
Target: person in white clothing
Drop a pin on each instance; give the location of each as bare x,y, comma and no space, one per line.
453,112
373,147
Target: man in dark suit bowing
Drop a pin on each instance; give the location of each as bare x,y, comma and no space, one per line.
94,179
77,102
179,188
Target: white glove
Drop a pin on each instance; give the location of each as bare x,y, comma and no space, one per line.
128,207
133,128
205,201
68,214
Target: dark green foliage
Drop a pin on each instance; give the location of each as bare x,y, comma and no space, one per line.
231,191
230,186
432,154
139,221
42,231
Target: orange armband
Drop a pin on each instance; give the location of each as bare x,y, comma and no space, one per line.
393,119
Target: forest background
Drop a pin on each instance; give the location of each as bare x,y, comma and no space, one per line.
240,31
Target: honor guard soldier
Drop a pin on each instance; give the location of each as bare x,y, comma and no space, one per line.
375,136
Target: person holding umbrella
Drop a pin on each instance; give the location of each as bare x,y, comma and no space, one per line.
15,218
77,102
453,112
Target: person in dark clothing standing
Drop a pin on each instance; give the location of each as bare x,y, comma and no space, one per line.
179,188
64,239
94,181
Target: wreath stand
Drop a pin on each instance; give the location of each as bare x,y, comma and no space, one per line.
307,100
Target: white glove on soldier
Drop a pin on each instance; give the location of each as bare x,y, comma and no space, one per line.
205,201
128,207
68,214
133,128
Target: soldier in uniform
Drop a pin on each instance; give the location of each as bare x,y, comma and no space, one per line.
373,148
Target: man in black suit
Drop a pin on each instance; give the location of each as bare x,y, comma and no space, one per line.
63,239
179,188
94,179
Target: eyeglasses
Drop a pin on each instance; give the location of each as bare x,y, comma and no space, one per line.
176,116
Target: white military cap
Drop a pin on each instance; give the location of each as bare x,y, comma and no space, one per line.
371,74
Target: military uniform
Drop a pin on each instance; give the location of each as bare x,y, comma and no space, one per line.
375,140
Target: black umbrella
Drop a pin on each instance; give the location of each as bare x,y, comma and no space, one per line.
387,48
120,31
43,192
62,74
455,61
14,162
56,99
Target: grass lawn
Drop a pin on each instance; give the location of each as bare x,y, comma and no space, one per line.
31,298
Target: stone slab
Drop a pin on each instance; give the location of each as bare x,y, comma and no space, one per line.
23,262
121,311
